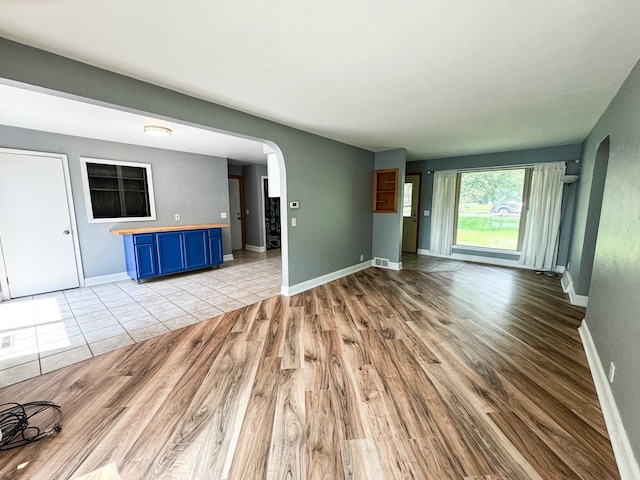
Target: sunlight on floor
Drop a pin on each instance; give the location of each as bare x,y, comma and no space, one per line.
42,333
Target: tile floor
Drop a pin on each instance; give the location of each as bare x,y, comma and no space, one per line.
45,332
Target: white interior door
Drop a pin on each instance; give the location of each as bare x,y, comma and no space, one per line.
235,208
35,227
410,205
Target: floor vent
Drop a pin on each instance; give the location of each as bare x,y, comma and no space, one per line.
381,262
7,342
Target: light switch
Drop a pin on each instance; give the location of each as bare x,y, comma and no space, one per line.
293,222
223,215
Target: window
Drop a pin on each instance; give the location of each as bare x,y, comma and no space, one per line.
117,190
407,195
489,208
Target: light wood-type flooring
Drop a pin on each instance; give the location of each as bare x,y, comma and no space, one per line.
476,373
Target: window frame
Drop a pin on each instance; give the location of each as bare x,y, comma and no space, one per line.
87,190
526,191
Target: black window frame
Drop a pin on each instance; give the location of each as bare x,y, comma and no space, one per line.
118,191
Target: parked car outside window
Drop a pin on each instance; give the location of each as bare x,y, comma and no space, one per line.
506,208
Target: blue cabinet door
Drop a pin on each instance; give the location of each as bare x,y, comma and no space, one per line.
215,250
145,261
140,255
170,249
196,251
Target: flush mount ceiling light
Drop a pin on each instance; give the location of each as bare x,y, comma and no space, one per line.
157,131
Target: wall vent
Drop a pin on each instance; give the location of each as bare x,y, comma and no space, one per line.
7,342
381,262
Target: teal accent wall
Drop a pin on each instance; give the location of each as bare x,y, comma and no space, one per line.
387,227
195,186
613,312
331,180
568,153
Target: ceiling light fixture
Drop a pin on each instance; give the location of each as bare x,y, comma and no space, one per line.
569,178
157,131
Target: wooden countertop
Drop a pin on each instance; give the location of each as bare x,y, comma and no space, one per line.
172,228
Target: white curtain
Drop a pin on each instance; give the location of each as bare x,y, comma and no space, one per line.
540,242
444,201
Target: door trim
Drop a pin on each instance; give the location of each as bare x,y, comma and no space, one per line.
242,212
5,294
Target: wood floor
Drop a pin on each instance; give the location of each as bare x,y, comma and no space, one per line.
477,373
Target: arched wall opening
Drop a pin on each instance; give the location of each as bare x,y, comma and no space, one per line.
272,146
594,210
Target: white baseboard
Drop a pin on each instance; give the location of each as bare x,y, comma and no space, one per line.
102,279
627,464
500,262
254,248
228,258
329,277
577,300
567,287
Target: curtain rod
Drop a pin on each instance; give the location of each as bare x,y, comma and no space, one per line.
503,167
484,169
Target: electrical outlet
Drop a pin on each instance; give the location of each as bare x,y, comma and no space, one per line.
427,213
294,222
223,215
177,217
612,372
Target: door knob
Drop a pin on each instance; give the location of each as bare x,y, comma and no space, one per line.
66,232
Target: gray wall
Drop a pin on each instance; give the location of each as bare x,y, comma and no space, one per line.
387,227
252,177
613,314
521,157
331,180
235,170
195,186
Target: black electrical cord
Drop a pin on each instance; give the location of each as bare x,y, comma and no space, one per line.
15,430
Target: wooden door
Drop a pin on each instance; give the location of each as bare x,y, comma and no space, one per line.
410,206
36,233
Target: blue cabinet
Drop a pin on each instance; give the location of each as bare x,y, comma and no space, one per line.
170,248
162,253
140,253
215,246
196,249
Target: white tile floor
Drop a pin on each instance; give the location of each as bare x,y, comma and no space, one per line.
45,332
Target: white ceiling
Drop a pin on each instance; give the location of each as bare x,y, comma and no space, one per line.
40,111
439,77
